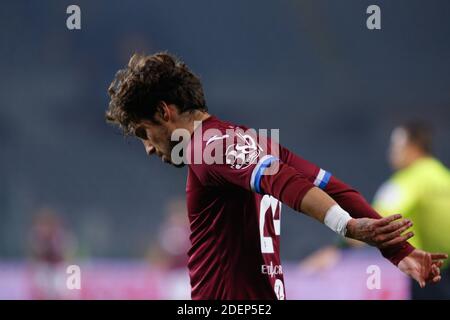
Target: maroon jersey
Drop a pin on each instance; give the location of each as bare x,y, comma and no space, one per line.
234,205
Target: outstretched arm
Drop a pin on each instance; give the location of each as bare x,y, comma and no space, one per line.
348,198
385,233
353,202
368,225
306,188
381,233
295,190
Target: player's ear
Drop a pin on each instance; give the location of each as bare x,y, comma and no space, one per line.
164,111
161,114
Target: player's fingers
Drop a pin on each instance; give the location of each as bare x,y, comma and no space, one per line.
436,279
438,263
387,220
422,283
395,227
397,240
435,271
386,237
438,256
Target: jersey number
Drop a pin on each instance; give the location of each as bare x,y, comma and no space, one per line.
266,203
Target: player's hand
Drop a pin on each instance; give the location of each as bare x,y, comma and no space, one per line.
380,233
424,267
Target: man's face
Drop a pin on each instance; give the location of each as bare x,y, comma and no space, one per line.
398,149
156,138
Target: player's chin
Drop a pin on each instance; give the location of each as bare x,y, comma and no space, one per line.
176,165
169,160
181,165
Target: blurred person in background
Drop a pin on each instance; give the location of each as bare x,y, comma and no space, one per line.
50,247
168,254
419,189
172,242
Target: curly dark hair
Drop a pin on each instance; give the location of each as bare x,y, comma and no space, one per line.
137,91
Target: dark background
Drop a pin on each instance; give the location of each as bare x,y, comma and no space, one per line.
310,68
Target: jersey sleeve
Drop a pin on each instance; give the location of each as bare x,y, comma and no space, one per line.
227,161
247,165
347,197
285,176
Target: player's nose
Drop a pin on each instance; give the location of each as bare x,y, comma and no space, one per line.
149,149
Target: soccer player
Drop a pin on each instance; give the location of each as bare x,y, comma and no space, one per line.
236,183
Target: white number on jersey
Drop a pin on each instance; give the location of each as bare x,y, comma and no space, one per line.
266,203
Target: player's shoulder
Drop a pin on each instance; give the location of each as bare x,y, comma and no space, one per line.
225,143
213,125
215,131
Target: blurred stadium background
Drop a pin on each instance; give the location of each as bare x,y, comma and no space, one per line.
73,191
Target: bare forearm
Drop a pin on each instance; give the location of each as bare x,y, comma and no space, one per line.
316,203
351,201
329,207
